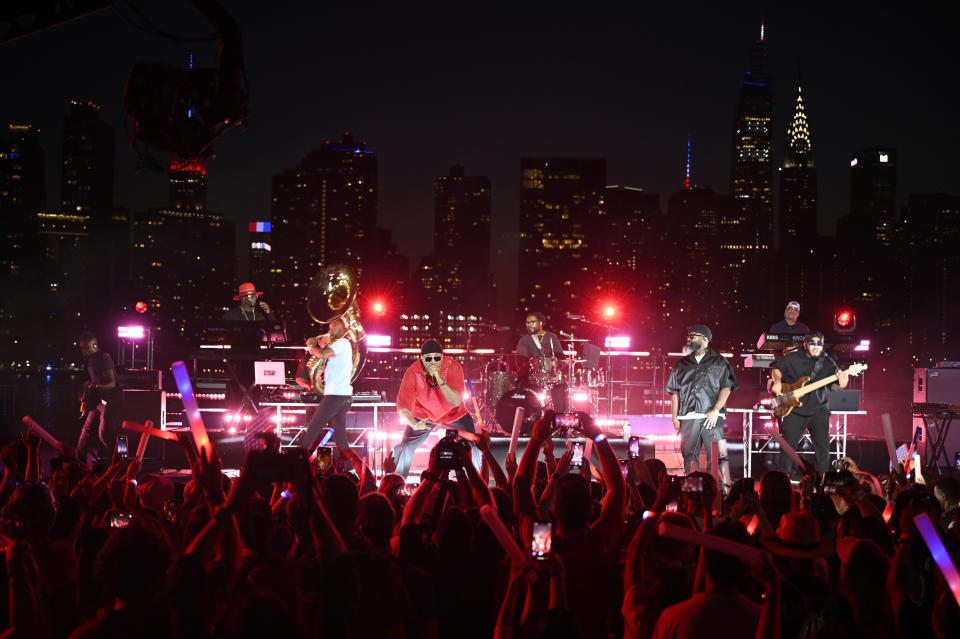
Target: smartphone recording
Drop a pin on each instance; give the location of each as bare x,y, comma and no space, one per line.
577,447
541,541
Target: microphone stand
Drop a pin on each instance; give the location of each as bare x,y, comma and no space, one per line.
609,328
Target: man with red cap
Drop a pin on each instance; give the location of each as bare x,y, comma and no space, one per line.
251,308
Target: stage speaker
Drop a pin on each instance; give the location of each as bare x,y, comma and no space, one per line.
139,406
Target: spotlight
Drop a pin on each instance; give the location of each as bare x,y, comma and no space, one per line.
844,321
378,308
609,311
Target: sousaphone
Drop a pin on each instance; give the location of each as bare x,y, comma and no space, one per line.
332,297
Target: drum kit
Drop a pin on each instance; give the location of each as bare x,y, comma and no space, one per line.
532,383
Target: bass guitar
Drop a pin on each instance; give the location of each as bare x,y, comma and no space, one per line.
790,394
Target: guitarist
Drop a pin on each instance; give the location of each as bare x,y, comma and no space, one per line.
813,415
97,399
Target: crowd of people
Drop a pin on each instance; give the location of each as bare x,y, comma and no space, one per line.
292,548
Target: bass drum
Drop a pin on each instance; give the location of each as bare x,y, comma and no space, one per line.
507,408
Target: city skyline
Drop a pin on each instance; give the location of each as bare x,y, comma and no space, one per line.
416,140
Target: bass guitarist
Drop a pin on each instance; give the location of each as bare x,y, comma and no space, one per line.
813,415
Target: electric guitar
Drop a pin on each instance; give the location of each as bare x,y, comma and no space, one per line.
790,394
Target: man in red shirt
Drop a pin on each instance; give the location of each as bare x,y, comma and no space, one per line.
431,393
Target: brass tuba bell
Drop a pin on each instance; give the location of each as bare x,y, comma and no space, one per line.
332,297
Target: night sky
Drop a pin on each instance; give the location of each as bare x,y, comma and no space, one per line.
430,87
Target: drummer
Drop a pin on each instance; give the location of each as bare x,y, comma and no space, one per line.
539,343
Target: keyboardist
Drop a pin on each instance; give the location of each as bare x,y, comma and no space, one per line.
251,308
790,324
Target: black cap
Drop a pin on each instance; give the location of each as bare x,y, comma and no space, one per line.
431,346
703,330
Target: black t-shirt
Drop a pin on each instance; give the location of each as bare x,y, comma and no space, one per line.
236,314
549,346
798,364
97,366
783,328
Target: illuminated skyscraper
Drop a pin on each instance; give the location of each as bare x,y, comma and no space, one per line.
559,199
798,181
260,255
873,193
457,274
187,181
751,171
323,212
87,181
23,183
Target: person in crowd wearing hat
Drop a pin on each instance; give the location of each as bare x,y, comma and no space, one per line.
431,394
251,308
337,384
814,414
699,386
790,324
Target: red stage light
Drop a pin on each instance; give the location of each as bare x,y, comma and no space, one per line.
141,307
379,308
844,321
610,311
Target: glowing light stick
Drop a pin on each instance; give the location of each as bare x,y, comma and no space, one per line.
326,438
891,446
713,542
144,438
476,406
888,511
154,432
517,420
784,446
190,407
40,430
939,553
506,540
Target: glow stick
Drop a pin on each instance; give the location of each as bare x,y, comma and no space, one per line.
155,432
784,446
939,553
144,438
476,406
891,447
888,511
40,430
517,420
326,438
713,542
503,535
190,407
